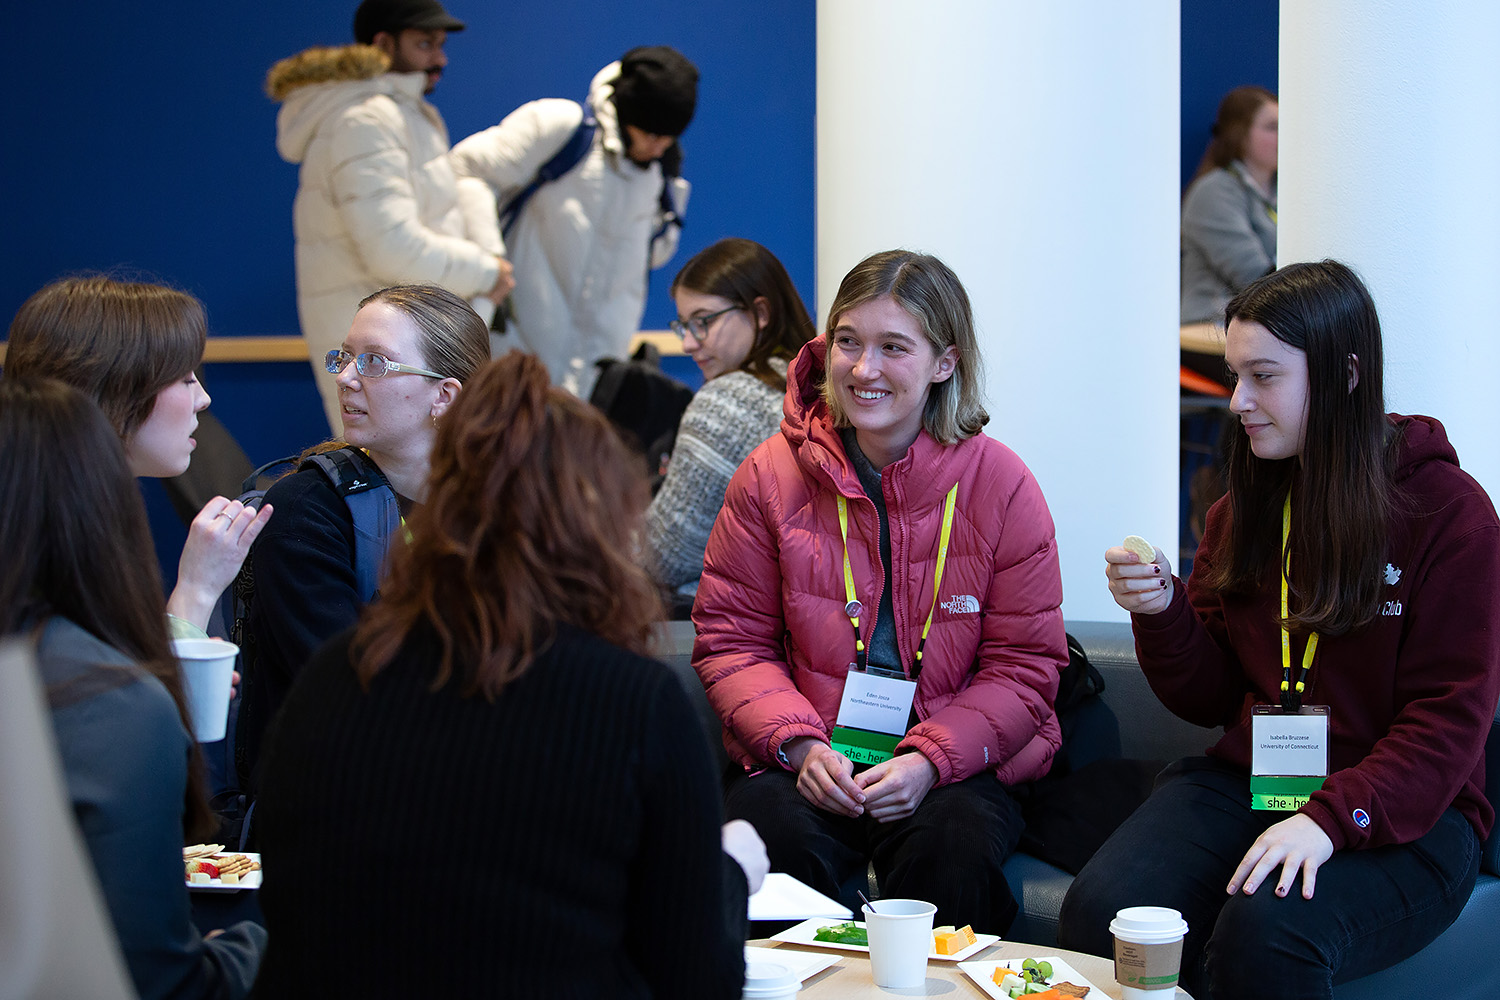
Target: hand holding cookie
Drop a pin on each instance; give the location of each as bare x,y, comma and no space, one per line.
1140,577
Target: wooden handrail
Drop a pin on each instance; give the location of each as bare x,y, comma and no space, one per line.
1204,338
237,349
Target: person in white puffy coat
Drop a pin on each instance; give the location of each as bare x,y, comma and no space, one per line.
583,244
377,202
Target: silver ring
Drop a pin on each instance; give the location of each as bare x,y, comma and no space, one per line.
222,514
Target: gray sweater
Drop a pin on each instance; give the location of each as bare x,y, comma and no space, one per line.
727,418
1228,240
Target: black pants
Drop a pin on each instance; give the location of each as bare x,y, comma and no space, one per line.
949,852
1370,909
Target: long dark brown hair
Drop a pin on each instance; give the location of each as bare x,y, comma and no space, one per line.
1342,490
1232,127
121,342
742,271
531,520
76,542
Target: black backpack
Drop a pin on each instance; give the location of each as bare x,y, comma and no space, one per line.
377,519
644,403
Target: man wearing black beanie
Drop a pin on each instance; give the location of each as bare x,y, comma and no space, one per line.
591,199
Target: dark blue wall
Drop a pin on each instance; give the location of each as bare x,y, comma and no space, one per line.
137,137
1225,44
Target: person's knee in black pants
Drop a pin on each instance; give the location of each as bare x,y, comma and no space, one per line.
807,843
951,852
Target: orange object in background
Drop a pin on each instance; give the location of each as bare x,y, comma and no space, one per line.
1193,382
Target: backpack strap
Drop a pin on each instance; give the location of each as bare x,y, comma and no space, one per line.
372,505
565,159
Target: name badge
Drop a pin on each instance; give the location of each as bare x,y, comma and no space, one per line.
872,715
1288,755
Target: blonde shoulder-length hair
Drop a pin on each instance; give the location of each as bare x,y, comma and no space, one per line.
929,290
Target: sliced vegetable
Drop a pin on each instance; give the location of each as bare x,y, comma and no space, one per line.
845,933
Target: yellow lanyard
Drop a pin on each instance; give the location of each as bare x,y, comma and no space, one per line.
853,608
1291,699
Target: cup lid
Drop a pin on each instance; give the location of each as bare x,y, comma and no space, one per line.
768,977
1148,924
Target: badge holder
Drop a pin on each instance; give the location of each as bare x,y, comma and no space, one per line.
873,713
1288,755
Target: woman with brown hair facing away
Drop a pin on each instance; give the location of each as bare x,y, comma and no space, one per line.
1229,212
742,322
132,347
517,797
79,576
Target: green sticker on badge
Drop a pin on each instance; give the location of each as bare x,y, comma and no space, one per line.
863,746
1282,793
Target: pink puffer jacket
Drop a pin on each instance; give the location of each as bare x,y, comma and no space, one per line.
774,644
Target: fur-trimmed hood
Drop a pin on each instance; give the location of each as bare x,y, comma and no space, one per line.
324,65
319,82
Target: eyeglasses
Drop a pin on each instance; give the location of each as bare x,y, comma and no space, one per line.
698,325
371,365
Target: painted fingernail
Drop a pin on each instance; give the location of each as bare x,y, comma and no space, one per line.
1163,584
1281,890
1156,569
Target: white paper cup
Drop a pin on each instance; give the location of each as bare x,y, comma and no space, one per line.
900,940
1148,951
207,672
769,981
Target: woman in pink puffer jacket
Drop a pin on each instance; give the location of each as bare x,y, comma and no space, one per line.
879,722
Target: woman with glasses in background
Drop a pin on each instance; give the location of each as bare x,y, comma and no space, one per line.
407,356
741,320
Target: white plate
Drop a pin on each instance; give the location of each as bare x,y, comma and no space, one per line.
803,934
983,975
248,881
782,897
803,964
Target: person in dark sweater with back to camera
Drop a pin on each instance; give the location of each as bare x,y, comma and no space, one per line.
487,788
1346,593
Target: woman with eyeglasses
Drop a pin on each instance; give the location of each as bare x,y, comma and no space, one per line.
407,355
741,320
132,347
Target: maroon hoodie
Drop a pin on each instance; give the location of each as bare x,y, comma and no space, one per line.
1412,694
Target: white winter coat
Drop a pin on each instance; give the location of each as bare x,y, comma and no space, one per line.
377,202
582,245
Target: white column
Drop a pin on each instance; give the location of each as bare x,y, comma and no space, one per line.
1034,148
1389,154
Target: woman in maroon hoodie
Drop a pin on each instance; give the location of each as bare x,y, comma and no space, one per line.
1345,597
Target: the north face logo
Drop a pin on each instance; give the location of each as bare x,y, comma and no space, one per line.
961,604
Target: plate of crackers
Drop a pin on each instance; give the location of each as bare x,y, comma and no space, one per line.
210,868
